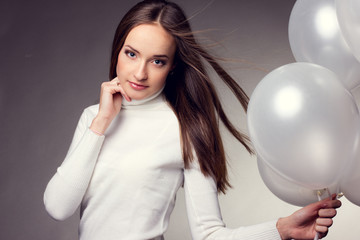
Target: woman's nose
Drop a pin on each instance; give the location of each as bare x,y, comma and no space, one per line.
141,72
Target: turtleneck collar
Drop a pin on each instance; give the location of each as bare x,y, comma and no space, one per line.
146,102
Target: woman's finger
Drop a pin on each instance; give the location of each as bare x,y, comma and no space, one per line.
114,87
333,204
327,213
327,222
123,93
321,229
109,87
115,79
119,88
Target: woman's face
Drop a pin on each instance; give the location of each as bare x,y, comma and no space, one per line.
145,60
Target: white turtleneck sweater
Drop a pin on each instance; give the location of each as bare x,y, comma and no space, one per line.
126,180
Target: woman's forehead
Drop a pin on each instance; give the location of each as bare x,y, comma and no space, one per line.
151,38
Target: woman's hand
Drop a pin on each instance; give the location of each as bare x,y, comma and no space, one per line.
312,219
110,105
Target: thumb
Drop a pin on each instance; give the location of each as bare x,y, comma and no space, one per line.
329,202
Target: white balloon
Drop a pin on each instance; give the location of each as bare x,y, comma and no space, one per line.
315,37
348,12
289,191
350,184
350,181
304,123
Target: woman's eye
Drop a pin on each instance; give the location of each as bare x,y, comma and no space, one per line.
130,54
159,62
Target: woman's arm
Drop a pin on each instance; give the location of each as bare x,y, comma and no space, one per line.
206,222
66,189
204,214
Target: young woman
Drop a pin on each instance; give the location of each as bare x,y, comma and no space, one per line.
155,130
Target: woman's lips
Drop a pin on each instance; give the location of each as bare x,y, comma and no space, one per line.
137,86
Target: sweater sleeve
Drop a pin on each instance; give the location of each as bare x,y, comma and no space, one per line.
204,213
67,187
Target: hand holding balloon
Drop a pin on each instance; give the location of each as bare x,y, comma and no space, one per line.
309,221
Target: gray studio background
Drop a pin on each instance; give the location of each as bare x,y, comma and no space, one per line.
53,57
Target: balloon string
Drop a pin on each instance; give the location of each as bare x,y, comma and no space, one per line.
319,193
316,236
328,192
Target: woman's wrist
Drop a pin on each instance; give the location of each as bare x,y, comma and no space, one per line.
96,132
283,229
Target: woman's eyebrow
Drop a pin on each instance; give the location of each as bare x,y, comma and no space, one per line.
161,56
133,49
156,55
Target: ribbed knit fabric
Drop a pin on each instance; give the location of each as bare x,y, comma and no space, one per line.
126,181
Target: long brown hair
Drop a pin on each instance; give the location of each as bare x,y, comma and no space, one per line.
188,88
